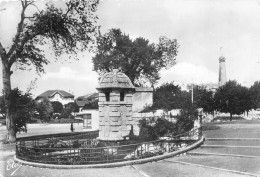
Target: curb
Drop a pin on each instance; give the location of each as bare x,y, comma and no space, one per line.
110,165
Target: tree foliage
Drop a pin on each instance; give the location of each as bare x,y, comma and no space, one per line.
45,109
66,30
232,98
186,118
57,106
255,94
154,129
169,96
140,60
203,98
68,109
165,96
91,105
23,108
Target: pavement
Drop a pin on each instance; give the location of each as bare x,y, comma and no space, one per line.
232,150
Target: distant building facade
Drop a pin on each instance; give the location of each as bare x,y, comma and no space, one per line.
57,95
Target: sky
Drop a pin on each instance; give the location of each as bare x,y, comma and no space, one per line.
201,27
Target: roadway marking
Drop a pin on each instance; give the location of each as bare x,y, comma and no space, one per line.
215,168
15,170
232,155
140,171
217,146
219,139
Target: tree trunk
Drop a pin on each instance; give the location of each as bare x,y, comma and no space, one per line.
11,135
230,117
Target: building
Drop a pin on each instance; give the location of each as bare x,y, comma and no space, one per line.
57,95
81,101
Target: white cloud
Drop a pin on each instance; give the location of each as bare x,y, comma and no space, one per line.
67,73
184,73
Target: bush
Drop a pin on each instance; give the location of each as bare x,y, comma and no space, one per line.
154,129
185,121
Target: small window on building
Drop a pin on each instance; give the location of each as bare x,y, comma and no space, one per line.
87,121
107,96
122,96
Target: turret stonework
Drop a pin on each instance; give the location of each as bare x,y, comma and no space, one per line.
115,106
222,71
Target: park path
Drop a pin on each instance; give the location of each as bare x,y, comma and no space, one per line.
233,147
233,150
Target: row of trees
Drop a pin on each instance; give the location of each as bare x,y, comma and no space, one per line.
231,98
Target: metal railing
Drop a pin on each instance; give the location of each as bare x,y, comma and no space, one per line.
86,149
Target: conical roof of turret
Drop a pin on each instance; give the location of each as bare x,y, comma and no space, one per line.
115,79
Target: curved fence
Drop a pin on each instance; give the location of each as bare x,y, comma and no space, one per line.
84,148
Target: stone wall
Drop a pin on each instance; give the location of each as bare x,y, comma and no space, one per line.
142,98
115,116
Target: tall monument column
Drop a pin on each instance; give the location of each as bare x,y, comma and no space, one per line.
222,71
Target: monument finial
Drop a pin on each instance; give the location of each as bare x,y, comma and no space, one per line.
221,51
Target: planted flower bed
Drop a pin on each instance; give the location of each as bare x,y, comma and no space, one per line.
80,150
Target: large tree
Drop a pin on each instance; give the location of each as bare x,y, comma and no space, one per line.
140,60
166,96
232,98
68,30
169,96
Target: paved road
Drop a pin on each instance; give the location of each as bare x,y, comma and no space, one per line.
214,158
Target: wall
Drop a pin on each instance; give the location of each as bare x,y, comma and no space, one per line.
94,117
142,97
115,116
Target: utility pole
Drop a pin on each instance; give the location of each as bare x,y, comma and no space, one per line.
192,93
190,88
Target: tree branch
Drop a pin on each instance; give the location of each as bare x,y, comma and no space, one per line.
2,51
20,49
19,30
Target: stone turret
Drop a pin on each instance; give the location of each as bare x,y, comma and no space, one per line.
115,106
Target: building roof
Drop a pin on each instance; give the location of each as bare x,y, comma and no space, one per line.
82,100
143,89
50,93
115,79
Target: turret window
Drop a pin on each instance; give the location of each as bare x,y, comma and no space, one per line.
107,96
122,96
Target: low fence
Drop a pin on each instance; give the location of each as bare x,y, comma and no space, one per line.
85,149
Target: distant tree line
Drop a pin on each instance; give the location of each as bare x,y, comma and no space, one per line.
230,98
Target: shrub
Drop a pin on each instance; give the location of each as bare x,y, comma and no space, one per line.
152,129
